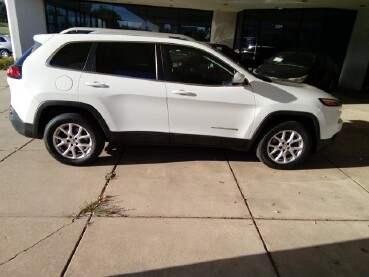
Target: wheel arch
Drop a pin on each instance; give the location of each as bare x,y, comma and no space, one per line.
48,110
306,119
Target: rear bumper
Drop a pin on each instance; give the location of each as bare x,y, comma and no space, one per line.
25,129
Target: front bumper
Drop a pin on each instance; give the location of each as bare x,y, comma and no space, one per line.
324,143
25,129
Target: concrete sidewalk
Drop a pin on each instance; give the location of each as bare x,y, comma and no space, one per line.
160,211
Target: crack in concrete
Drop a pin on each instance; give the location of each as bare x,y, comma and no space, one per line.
311,220
7,86
15,151
38,242
4,111
346,174
178,217
233,218
32,216
100,198
269,254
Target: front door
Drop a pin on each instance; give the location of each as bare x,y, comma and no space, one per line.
202,100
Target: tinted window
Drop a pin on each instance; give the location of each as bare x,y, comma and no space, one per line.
72,56
2,39
126,59
189,65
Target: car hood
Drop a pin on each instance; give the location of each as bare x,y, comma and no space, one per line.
282,71
280,91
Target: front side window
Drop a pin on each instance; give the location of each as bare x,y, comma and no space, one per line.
72,56
189,65
128,59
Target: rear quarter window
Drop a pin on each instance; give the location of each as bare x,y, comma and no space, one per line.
72,56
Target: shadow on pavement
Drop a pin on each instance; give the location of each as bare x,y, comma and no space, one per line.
351,149
348,96
338,259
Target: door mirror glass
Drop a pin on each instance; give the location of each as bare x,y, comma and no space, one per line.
239,79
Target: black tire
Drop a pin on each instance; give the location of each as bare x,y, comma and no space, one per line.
286,152
4,53
72,140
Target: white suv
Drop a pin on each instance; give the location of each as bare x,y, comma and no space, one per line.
84,86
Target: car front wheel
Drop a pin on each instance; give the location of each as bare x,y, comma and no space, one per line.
285,146
72,140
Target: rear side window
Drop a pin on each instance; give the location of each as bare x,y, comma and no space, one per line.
72,56
129,59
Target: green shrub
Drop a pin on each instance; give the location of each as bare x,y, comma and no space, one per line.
5,63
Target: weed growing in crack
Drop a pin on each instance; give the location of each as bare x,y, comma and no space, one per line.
102,207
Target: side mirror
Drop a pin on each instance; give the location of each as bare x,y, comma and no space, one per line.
239,79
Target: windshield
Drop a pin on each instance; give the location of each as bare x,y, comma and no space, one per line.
299,59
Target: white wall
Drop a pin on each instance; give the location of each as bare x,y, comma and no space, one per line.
357,56
223,27
26,18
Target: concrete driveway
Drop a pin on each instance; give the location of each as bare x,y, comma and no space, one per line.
157,211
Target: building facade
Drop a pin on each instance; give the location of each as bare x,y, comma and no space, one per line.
341,31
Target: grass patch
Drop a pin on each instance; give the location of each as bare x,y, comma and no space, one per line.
5,63
4,28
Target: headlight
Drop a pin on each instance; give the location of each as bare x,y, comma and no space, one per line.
298,79
330,102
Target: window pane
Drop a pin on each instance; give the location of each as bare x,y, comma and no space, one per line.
63,14
73,56
196,24
131,17
105,13
126,59
189,65
162,19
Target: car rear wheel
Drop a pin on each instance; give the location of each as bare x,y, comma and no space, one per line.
72,140
285,146
4,54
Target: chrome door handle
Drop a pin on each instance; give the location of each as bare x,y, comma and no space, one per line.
96,85
184,92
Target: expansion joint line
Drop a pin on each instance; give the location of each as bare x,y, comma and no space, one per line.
340,169
41,240
99,200
15,151
253,218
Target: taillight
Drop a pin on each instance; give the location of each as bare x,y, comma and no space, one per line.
331,102
14,72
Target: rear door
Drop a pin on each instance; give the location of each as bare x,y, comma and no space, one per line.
122,84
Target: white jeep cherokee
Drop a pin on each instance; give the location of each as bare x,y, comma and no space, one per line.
85,86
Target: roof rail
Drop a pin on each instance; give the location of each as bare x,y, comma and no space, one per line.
79,30
88,30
